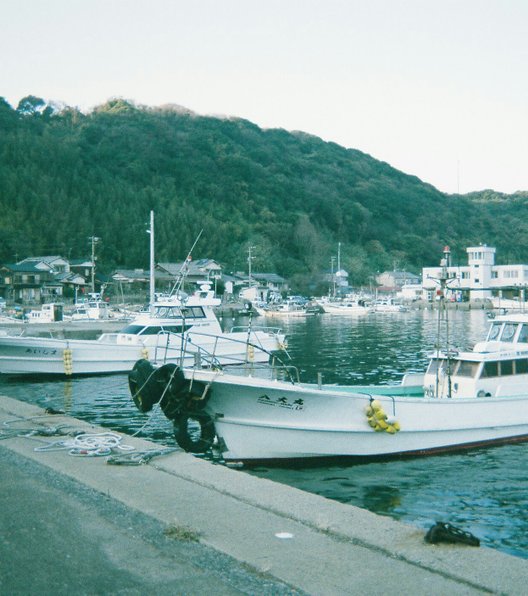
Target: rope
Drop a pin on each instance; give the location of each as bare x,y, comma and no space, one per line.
88,445
138,457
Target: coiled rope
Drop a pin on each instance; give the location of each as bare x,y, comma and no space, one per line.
88,445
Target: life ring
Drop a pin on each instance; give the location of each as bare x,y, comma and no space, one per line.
194,444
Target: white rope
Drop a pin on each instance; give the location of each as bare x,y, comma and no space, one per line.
88,445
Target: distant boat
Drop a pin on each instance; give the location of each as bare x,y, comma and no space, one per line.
91,310
508,303
286,309
48,313
388,305
346,307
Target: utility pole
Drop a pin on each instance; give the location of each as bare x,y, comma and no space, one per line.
94,240
250,258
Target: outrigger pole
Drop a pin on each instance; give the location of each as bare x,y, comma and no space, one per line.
181,274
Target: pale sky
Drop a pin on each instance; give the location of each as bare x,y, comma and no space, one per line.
436,88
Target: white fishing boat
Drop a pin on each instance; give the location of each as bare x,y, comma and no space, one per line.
178,329
91,310
464,400
48,313
509,303
286,309
346,307
388,305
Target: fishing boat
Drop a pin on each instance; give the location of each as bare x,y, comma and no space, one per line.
177,330
94,309
345,307
463,400
286,309
388,305
48,313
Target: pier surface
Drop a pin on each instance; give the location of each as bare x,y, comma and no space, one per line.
181,525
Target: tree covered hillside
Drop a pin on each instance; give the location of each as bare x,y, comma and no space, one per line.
67,175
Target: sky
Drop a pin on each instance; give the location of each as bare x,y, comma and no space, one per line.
437,89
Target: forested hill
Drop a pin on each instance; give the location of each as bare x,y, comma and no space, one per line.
67,175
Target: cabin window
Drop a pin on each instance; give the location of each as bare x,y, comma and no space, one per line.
168,312
506,368
196,312
494,331
466,369
521,367
434,365
523,334
491,369
508,332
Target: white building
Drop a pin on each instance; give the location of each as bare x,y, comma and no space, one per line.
480,279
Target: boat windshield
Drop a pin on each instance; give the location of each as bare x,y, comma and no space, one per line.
435,364
176,312
494,331
508,332
505,332
523,335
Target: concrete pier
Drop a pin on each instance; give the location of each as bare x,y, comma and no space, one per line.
181,525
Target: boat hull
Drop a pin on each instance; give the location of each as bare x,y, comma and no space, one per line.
258,421
117,353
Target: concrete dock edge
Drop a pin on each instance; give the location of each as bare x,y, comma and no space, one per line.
308,543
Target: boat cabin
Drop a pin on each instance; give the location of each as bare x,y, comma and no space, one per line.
495,367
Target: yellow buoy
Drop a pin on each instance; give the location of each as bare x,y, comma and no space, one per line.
375,404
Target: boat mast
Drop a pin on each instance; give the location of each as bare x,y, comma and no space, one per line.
152,281
444,278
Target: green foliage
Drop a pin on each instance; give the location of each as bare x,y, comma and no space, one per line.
65,176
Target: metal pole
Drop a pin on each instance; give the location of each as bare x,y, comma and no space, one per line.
152,280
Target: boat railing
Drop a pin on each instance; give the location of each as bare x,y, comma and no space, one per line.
195,355
253,328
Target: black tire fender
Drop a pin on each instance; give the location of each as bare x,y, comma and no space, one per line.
183,437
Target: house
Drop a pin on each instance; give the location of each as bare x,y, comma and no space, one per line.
270,285
27,283
194,271
83,267
55,264
129,277
394,281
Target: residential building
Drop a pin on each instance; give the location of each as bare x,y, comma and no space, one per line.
394,281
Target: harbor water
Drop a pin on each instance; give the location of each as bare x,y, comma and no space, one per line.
482,491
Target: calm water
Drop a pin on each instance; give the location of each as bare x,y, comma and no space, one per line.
482,491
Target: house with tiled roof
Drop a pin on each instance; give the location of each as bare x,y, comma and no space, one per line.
194,271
